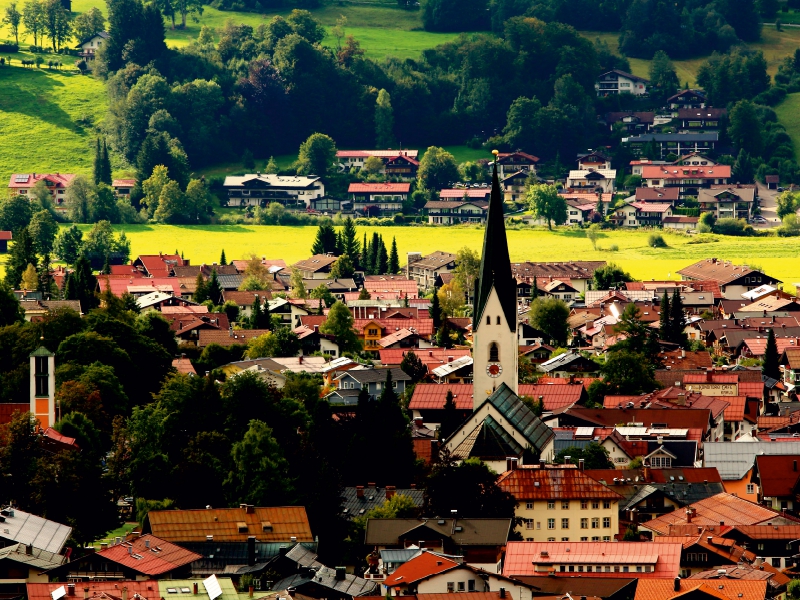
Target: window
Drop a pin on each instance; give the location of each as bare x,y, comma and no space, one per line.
625,569
551,505
565,505
498,319
551,523
751,488
451,586
553,540
776,562
471,585
564,523
564,539
538,524
606,538
584,504
461,586
41,376
584,523
595,504
606,503
661,462
528,523
606,522
586,539
595,522
761,547
494,352
488,320
529,505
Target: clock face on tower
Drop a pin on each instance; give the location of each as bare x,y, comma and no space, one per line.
494,370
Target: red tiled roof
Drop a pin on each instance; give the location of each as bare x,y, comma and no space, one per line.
725,508
417,568
768,532
57,437
407,286
158,558
689,474
422,327
725,589
227,338
156,265
123,183
378,153
429,396
778,474
504,155
675,418
585,381
59,180
377,188
99,590
469,192
553,396
692,172
6,235
715,378
735,410
183,366
757,346
430,357
550,484
751,389
268,524
523,558
423,449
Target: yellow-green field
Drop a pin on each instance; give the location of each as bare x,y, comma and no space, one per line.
202,244
774,44
48,118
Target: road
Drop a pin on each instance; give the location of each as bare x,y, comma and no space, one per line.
769,204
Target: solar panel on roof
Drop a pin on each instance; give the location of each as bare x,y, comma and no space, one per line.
212,587
21,179
59,593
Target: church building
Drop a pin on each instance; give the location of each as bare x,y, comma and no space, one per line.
501,425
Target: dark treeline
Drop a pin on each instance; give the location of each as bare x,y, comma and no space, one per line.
265,90
684,28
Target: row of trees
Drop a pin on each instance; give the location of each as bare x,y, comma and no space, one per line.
45,19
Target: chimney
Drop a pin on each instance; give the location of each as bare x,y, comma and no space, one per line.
418,421
124,593
581,464
209,538
70,589
689,515
359,491
291,591
502,592
371,485
251,550
676,584
300,359
567,460
147,544
103,546
194,588
85,593
130,550
340,572
708,375
390,491
250,508
709,538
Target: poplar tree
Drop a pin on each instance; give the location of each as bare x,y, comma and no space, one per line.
677,319
770,366
394,259
664,324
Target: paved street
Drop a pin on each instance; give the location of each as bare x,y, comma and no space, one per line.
769,202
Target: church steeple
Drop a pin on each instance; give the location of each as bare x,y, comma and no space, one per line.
495,263
495,349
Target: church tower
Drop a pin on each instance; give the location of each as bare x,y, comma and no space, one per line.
495,347
43,386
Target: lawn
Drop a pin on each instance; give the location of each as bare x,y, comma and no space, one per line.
788,113
48,118
203,244
774,44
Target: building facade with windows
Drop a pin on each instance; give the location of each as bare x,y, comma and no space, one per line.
560,503
261,189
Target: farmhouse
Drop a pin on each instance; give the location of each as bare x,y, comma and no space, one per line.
90,46
734,201
509,163
674,143
450,212
620,82
57,184
373,199
349,159
687,178
257,189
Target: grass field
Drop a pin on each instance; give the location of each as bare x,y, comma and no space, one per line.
788,113
203,244
48,118
774,44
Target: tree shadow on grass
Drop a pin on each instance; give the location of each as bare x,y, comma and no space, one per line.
26,91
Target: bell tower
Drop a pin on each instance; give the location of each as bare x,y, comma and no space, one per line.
495,346
43,387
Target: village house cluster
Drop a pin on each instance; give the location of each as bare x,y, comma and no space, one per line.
701,502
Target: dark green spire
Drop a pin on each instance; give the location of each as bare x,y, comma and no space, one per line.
495,263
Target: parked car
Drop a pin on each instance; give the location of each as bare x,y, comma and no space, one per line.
759,220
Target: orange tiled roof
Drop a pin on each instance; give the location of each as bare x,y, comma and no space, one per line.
417,568
98,590
553,396
149,555
268,524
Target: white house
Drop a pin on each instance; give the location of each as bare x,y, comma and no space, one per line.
90,46
584,179
620,82
261,189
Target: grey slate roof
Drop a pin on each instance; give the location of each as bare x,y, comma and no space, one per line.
322,576
374,375
353,506
230,282
37,559
734,459
521,417
685,451
217,556
25,528
474,532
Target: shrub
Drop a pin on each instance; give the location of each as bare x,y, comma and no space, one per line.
5,47
35,49
730,226
399,219
613,248
656,240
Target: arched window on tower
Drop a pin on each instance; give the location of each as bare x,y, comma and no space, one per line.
498,319
488,320
494,353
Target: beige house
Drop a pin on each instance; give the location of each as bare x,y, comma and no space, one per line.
425,269
561,503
